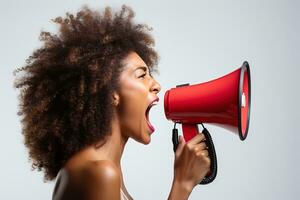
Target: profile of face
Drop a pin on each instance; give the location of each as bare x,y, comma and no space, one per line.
136,95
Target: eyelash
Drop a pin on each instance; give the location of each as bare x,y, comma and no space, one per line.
142,76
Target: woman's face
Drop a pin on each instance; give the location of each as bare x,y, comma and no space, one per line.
137,93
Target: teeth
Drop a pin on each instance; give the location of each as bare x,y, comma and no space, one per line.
154,103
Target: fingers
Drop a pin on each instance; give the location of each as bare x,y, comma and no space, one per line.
199,149
203,153
198,138
195,145
200,146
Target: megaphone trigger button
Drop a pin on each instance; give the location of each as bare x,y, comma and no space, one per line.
182,85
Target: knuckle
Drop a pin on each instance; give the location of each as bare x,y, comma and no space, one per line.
196,149
207,162
201,154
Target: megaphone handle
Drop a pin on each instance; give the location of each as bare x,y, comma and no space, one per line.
213,157
191,130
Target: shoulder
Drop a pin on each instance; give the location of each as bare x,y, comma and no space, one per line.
102,171
94,180
100,180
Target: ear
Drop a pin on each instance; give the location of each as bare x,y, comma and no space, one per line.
116,98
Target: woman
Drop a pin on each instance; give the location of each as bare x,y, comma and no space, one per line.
84,93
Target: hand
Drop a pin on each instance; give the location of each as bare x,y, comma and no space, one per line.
192,162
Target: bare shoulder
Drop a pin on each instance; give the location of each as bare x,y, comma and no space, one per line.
95,180
102,171
100,180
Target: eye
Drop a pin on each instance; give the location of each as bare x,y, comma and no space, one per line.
142,76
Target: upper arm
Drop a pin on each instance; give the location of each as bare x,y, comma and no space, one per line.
101,180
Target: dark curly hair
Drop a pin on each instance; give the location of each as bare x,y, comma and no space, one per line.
66,85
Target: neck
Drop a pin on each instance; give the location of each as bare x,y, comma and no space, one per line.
113,148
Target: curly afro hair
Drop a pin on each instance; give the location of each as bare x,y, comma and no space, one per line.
66,85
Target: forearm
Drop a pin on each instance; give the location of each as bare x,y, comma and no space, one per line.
179,191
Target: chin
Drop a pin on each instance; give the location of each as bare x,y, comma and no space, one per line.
145,140
148,141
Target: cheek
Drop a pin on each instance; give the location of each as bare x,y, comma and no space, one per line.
131,119
132,110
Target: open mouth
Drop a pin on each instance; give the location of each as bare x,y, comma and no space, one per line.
153,103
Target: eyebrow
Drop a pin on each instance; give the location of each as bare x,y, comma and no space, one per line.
143,68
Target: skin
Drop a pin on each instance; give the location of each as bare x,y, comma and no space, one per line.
95,173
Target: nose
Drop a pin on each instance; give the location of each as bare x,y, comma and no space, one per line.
155,86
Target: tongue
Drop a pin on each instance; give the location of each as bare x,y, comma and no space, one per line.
148,121
150,126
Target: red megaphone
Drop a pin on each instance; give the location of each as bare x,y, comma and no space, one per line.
224,102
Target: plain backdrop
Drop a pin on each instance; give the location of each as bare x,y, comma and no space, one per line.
197,41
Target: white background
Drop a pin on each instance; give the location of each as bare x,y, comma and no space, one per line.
197,41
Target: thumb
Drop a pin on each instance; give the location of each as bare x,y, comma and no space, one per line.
180,145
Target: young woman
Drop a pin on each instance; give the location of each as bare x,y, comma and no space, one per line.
84,93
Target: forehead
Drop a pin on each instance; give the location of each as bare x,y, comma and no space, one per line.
132,61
